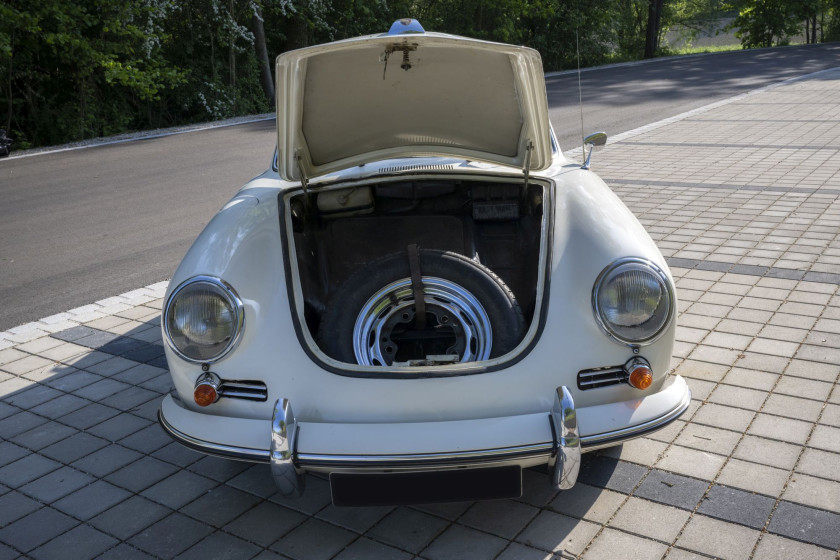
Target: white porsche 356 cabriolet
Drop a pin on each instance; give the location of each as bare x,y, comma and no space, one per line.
422,296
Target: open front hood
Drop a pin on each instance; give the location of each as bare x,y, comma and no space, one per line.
427,94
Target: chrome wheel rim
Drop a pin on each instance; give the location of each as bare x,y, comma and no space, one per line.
383,336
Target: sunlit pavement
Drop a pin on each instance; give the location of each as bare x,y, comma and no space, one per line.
743,199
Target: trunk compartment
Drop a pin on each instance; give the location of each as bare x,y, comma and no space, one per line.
497,223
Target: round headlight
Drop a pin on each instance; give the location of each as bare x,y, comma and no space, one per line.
203,319
633,301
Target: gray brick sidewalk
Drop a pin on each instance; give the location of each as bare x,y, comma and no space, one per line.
743,199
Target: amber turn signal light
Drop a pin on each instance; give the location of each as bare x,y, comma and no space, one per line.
206,389
205,395
641,377
638,373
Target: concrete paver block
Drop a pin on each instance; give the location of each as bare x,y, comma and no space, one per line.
313,540
408,529
650,519
221,545
718,538
806,524
553,532
672,489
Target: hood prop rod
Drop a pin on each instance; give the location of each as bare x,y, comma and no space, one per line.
304,181
526,170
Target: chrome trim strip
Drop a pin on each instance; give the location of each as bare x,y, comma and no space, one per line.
421,460
211,448
601,371
235,394
245,385
611,380
246,390
416,167
601,377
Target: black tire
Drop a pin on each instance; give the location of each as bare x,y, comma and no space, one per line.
336,331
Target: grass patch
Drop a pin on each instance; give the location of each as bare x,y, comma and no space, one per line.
700,50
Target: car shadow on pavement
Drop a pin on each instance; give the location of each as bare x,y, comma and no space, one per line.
84,462
128,346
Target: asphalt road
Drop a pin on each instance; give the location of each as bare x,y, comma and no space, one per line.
82,225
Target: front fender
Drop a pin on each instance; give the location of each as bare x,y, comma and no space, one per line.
242,246
592,229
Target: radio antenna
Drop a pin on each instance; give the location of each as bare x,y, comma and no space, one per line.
580,97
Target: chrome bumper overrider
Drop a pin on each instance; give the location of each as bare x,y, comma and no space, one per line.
564,463
284,431
563,454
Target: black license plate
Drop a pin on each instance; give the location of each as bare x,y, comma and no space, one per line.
425,487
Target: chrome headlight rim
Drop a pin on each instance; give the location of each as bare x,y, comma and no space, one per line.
235,303
659,274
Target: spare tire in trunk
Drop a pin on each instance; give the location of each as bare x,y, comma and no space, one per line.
470,314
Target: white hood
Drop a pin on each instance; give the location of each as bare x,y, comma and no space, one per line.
351,102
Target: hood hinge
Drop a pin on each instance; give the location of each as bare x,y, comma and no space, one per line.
304,180
527,168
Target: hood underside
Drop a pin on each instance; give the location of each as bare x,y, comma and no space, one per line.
362,100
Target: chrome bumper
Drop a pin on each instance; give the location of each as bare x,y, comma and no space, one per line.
562,454
287,466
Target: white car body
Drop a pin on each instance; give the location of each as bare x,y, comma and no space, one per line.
327,415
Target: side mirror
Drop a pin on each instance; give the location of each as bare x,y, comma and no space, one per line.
594,139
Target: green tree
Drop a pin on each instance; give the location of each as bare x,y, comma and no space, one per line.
212,39
765,23
72,70
630,24
690,18
830,20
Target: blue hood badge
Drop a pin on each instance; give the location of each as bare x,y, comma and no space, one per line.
406,26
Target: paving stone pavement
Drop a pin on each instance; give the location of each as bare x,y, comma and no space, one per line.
744,201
